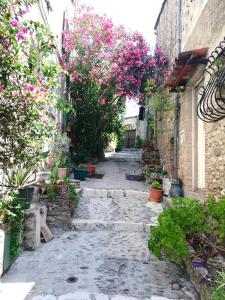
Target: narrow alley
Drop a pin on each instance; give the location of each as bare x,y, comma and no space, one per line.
104,256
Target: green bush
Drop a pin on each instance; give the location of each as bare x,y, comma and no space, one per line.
219,286
188,222
156,185
139,143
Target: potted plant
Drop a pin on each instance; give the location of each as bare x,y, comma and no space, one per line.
60,164
90,167
56,185
80,173
58,146
155,191
21,177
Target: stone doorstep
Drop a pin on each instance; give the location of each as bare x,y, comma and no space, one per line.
93,225
96,296
111,193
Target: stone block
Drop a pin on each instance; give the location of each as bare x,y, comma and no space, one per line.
32,230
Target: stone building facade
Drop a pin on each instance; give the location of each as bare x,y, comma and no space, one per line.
201,145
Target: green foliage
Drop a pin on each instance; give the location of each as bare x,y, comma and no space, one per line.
156,185
11,208
139,143
52,191
94,123
216,217
168,237
119,134
58,143
177,225
64,161
219,286
73,195
54,173
15,242
28,77
159,102
146,171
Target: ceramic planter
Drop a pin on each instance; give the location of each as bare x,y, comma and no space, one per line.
90,168
62,172
80,173
155,195
26,195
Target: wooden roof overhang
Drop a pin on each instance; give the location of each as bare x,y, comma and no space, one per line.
184,67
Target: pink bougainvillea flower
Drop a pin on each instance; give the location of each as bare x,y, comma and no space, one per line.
21,37
107,54
30,87
1,88
103,101
14,23
25,10
58,126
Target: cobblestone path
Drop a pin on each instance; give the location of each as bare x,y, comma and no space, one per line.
105,255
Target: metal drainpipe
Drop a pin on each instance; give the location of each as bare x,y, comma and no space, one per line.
177,105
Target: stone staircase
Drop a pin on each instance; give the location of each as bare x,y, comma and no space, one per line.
120,210
126,155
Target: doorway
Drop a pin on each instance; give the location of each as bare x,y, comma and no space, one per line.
130,136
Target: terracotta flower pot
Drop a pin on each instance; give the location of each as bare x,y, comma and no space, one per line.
62,173
59,187
90,168
155,195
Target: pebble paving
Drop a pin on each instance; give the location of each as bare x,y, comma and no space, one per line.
105,255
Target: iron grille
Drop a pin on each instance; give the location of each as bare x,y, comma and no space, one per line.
211,106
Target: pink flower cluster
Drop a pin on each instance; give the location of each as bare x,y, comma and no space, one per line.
99,50
103,101
17,24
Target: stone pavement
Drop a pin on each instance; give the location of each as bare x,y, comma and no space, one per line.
105,255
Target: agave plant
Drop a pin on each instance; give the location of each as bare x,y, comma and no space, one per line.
20,176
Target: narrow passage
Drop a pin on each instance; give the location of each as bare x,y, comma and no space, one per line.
104,256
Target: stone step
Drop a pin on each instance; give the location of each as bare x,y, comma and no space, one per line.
112,193
120,213
96,225
124,158
95,296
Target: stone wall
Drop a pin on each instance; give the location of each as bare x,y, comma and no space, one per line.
185,141
59,210
203,25
215,158
191,11
166,30
165,140
208,28
208,31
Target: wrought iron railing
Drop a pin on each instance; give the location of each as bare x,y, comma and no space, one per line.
211,106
